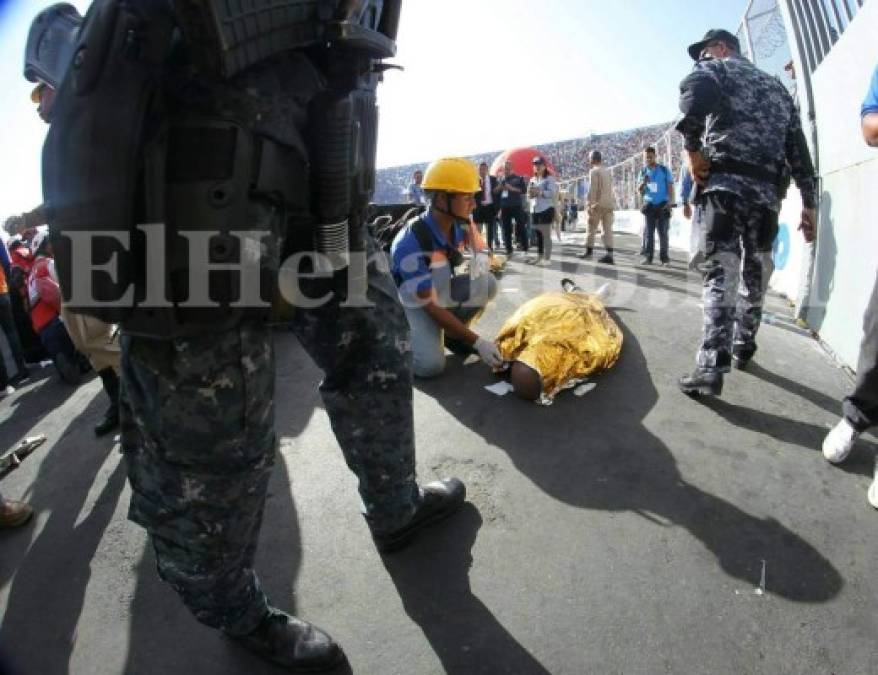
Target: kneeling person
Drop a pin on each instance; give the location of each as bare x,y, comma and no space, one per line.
441,305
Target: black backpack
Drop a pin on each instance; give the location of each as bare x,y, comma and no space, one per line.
386,221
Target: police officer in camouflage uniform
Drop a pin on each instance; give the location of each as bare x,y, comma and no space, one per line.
742,134
274,135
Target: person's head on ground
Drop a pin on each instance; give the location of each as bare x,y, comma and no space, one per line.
483,169
595,158
526,382
450,185
649,157
716,44
507,169
418,177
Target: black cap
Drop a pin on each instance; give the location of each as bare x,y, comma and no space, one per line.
538,160
713,35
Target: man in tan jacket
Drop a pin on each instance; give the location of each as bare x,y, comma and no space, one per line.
600,206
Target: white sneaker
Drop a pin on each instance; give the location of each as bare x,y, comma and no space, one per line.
838,443
872,494
7,391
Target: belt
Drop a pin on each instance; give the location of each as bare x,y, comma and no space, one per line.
738,168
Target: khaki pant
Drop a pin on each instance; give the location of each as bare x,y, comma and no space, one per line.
94,339
604,218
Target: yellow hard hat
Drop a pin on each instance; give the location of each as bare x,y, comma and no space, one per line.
451,174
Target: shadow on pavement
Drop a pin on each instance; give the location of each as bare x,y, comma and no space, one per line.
597,454
160,622
818,398
786,430
46,598
40,396
432,578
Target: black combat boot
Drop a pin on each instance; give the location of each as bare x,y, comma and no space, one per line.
701,383
111,417
608,258
441,498
741,357
293,644
588,253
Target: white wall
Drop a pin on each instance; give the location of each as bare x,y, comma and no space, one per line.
847,244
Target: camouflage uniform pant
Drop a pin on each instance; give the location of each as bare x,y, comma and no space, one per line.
199,440
737,243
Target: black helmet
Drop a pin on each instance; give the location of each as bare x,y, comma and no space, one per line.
50,44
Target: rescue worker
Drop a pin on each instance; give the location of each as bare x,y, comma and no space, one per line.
740,130
275,138
440,304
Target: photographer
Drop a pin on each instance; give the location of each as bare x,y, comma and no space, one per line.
657,188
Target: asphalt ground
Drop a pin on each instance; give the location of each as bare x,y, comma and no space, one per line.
629,530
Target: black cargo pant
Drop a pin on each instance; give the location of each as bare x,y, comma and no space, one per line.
517,214
734,232
861,407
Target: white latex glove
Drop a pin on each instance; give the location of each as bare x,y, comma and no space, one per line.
488,352
481,264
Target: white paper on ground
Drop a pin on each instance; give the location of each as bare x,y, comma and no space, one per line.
603,292
583,389
499,388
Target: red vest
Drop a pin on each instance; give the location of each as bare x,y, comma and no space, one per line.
44,294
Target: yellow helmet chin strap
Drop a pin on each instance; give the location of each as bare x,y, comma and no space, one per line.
447,211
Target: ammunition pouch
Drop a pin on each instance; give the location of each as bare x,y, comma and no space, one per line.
227,38
223,195
91,157
125,156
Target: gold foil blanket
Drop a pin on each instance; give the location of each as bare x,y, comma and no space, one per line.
565,337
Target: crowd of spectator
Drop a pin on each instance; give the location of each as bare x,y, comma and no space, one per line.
569,157
30,306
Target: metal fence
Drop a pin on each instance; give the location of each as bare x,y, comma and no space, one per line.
818,24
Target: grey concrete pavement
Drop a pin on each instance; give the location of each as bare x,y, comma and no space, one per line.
624,531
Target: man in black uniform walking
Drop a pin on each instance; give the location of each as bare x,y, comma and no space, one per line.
741,132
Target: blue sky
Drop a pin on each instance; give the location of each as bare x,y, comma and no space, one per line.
479,75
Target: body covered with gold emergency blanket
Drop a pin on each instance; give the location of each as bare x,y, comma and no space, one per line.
564,336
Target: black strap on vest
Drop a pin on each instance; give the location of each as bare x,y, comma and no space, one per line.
418,226
738,168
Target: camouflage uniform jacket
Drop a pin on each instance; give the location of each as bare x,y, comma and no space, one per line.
737,112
